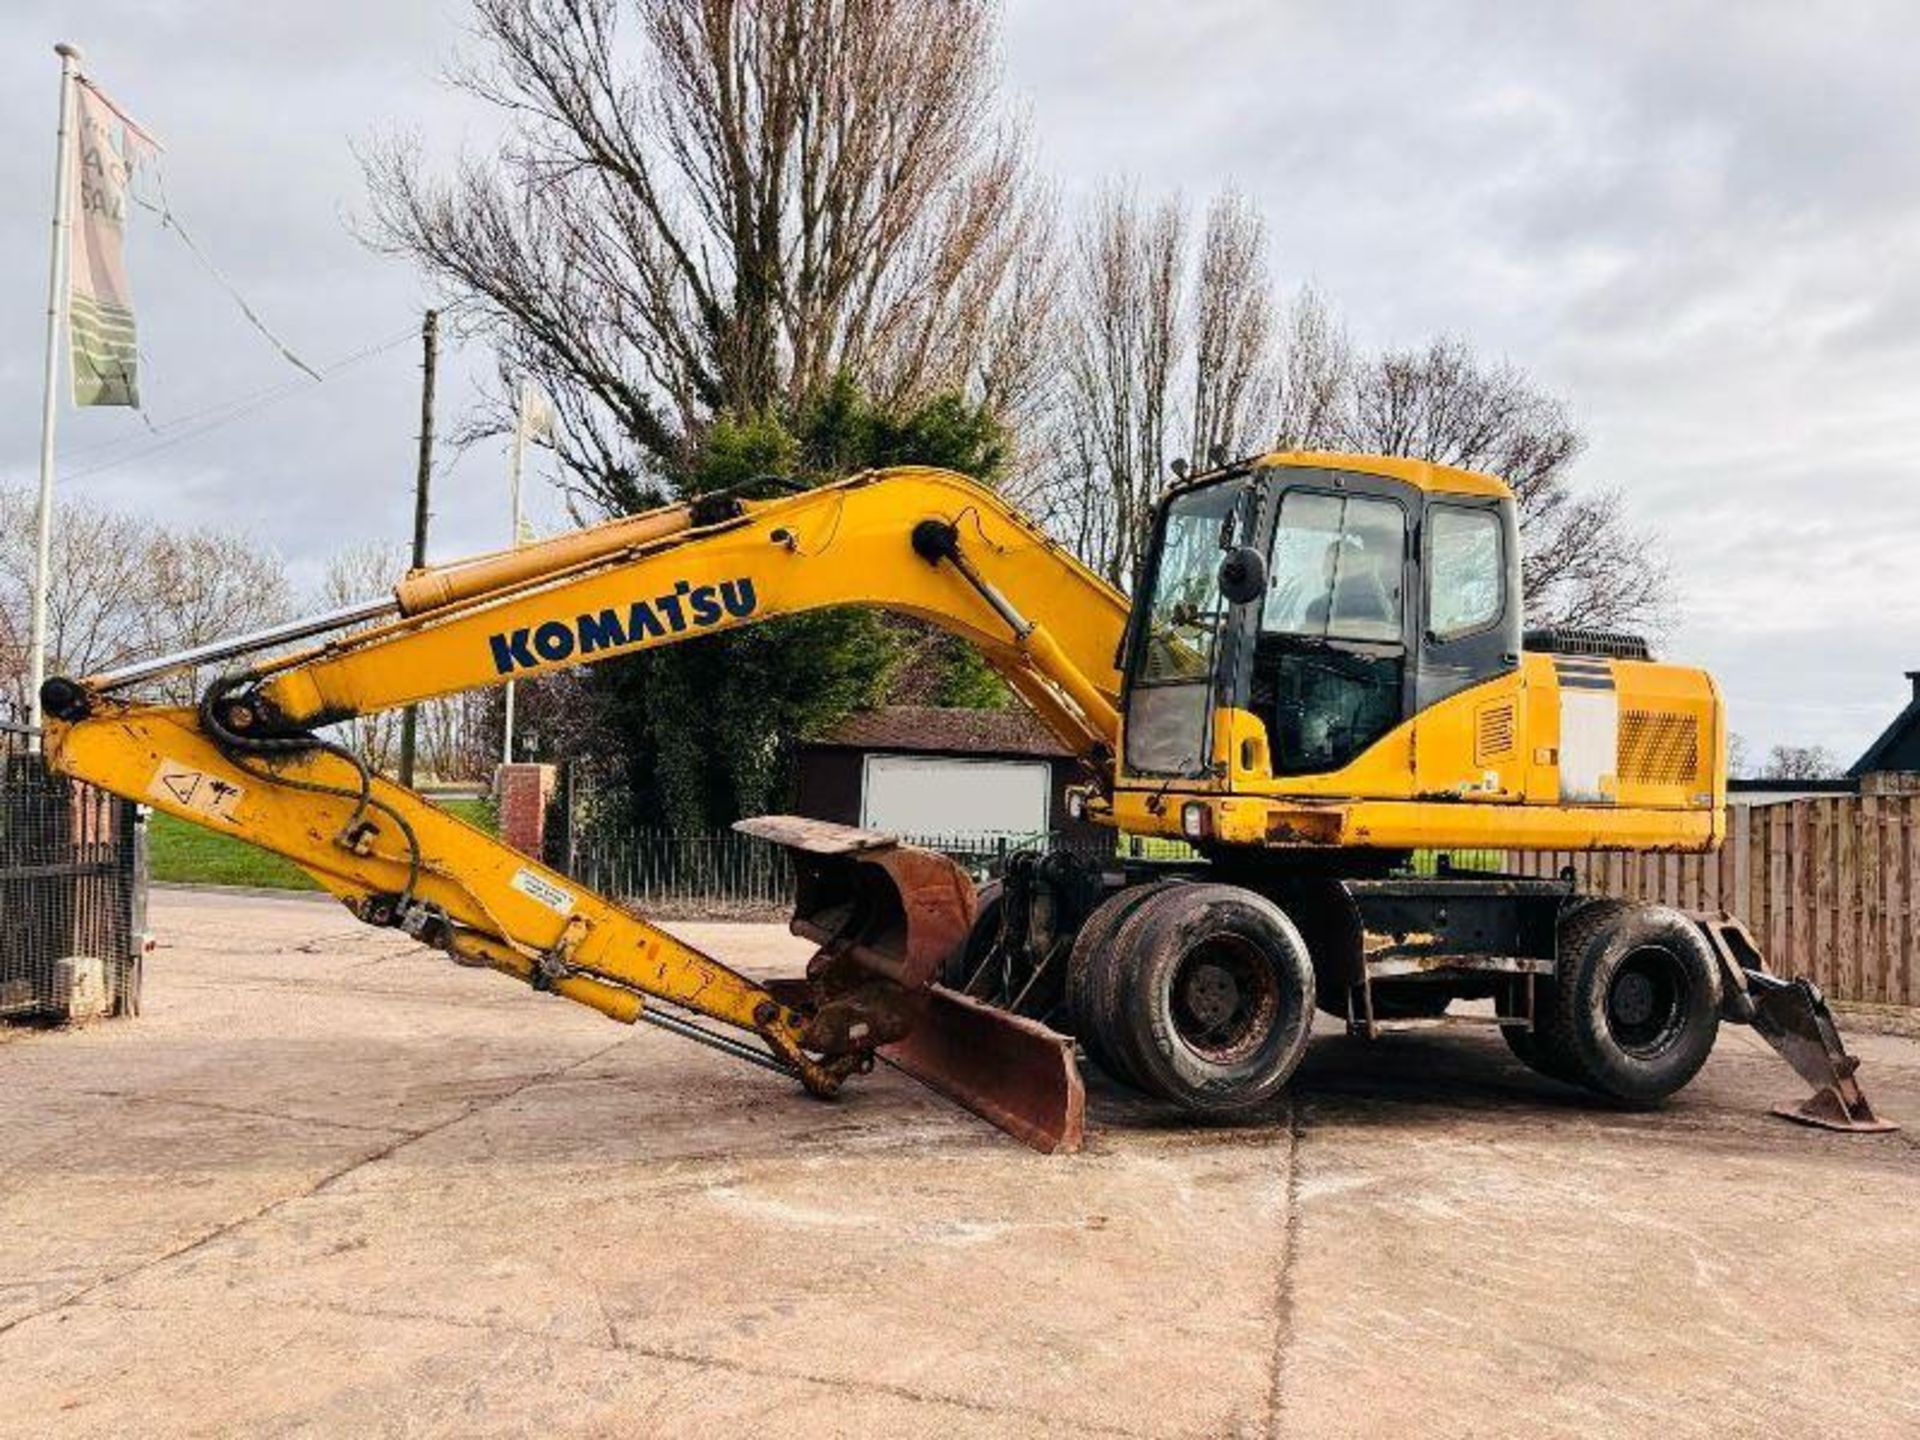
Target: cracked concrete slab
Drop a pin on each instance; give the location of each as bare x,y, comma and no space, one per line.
331,1184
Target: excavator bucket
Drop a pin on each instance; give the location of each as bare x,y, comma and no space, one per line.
1791,1016
886,917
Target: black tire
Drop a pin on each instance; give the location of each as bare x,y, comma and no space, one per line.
1634,1006
959,966
1206,996
1094,941
1535,1048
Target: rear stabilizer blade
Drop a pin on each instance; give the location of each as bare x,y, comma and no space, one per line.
1791,1016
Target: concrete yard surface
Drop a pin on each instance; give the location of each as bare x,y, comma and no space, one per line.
331,1184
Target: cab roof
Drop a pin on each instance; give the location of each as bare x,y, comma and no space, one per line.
1421,474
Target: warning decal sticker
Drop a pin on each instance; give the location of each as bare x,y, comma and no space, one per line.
178,786
535,886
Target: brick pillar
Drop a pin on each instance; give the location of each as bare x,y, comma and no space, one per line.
522,792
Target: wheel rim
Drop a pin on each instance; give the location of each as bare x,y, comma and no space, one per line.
1225,999
1647,1001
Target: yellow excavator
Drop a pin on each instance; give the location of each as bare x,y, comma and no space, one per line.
1322,672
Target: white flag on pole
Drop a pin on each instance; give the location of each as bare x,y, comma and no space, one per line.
534,422
108,148
537,413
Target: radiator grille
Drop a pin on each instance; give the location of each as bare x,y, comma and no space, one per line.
1659,747
1494,738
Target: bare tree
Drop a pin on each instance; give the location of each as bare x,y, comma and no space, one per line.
200,587
1585,564
354,574
1236,384
1739,755
1315,365
122,588
716,205
458,736
1123,343
1800,762
94,618
1291,379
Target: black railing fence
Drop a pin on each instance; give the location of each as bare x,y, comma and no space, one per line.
72,890
729,873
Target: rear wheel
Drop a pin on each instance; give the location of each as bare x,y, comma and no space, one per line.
1634,1006
1206,997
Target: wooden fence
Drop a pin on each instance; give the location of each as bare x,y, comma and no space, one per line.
1830,887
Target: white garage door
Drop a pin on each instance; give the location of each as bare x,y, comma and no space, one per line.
927,795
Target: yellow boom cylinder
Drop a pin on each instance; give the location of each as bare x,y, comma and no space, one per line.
438,586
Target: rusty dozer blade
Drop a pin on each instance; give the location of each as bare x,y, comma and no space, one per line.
1791,1016
886,917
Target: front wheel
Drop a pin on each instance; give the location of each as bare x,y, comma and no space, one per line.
966,969
1213,1000
1094,975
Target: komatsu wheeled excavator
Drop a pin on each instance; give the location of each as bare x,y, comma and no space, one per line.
1322,671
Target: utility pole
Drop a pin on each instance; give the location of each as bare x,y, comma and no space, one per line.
422,484
50,399
516,462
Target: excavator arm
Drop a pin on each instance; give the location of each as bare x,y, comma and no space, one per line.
247,761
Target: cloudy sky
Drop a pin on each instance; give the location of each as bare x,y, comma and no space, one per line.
1700,224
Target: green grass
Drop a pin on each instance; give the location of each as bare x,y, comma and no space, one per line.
183,853
480,813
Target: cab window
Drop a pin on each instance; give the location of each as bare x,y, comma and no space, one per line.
1184,610
1336,569
1465,571
1169,701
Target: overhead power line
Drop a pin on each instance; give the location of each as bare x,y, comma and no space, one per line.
216,416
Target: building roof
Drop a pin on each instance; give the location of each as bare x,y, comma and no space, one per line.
937,730
1898,747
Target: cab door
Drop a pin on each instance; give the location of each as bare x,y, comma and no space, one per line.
1470,721
1330,669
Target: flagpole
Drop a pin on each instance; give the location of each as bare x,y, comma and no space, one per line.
50,405
517,458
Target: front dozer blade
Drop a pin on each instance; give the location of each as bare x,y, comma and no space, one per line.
1791,1016
886,917
1010,1071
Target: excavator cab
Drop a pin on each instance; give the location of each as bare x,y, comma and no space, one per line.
1351,601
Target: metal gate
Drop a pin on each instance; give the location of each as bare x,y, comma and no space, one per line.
72,890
